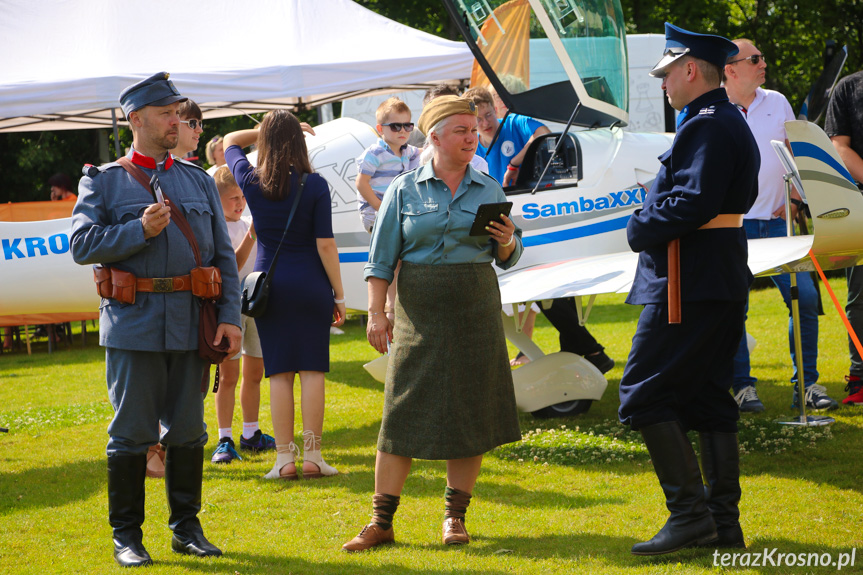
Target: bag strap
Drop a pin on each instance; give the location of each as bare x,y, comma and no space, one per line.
177,215
290,217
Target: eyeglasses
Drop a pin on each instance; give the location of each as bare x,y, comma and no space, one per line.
397,126
488,117
755,59
193,123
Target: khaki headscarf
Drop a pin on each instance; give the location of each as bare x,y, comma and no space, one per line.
441,108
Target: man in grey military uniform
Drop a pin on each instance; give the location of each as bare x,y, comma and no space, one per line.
154,373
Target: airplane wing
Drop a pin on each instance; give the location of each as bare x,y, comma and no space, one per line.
607,273
834,200
613,273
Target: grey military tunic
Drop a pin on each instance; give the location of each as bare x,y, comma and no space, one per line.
153,370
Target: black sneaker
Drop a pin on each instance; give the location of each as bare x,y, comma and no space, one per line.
258,442
748,401
816,398
601,361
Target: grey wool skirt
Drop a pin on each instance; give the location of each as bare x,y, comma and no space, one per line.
449,392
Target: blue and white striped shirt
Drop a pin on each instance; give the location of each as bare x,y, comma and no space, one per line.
379,162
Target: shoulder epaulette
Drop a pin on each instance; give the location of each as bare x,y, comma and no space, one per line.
188,163
92,171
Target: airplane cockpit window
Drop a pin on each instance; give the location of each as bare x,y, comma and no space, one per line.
545,56
536,172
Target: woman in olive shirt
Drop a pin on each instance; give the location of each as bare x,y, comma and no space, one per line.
449,392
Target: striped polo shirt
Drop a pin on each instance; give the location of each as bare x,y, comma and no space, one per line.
379,162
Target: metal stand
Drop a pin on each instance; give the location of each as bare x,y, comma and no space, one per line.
803,419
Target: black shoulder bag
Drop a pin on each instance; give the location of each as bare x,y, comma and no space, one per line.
256,286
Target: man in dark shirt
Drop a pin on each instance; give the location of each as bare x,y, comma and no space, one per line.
678,375
845,127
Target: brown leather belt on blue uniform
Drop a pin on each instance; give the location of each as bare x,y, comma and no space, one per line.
164,285
724,221
674,301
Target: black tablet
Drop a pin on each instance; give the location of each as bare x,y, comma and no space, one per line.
487,213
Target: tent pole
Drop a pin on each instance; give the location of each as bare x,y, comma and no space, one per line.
116,132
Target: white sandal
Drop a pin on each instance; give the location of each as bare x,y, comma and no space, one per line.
312,454
284,456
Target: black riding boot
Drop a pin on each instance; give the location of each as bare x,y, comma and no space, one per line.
720,460
184,471
126,475
677,469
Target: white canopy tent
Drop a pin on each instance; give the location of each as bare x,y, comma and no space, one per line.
66,61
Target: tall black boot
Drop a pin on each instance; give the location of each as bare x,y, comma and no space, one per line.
676,467
126,475
720,460
184,471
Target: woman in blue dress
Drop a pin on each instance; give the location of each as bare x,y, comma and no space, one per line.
306,293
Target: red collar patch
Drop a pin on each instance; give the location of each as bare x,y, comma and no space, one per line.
148,162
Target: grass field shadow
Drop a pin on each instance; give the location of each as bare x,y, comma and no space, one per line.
238,562
56,486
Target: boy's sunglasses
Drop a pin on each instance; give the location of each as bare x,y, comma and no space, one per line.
755,59
193,123
397,126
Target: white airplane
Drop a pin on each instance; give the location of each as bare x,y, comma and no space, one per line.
573,207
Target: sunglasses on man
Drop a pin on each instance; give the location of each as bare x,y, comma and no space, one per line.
397,126
755,59
193,123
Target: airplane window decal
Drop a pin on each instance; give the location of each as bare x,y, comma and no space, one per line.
475,17
564,12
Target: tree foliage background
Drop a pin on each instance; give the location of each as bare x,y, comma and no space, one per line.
791,34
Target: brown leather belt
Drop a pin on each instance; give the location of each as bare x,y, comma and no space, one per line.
724,221
165,285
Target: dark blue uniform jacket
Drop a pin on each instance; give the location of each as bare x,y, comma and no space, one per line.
711,168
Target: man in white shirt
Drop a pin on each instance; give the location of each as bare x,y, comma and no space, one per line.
766,112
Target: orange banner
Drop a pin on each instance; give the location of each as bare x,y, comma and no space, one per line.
508,49
43,318
35,211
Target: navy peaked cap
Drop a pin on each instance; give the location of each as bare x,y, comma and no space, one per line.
680,42
157,90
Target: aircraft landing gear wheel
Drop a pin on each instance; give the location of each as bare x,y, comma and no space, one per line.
564,409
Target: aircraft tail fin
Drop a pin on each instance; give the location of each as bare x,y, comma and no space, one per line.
834,199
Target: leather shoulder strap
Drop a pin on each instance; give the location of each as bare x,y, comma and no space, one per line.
136,173
177,215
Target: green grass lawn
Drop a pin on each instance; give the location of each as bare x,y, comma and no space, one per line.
571,498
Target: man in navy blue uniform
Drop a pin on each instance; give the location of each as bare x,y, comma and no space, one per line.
678,376
153,370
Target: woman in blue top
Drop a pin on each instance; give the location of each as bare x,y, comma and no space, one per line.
449,392
306,290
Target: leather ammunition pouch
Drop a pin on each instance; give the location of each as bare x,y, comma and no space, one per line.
102,277
207,282
123,286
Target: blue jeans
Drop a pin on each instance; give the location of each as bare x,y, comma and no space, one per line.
808,303
854,311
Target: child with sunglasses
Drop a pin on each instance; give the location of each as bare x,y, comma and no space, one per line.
381,162
379,165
